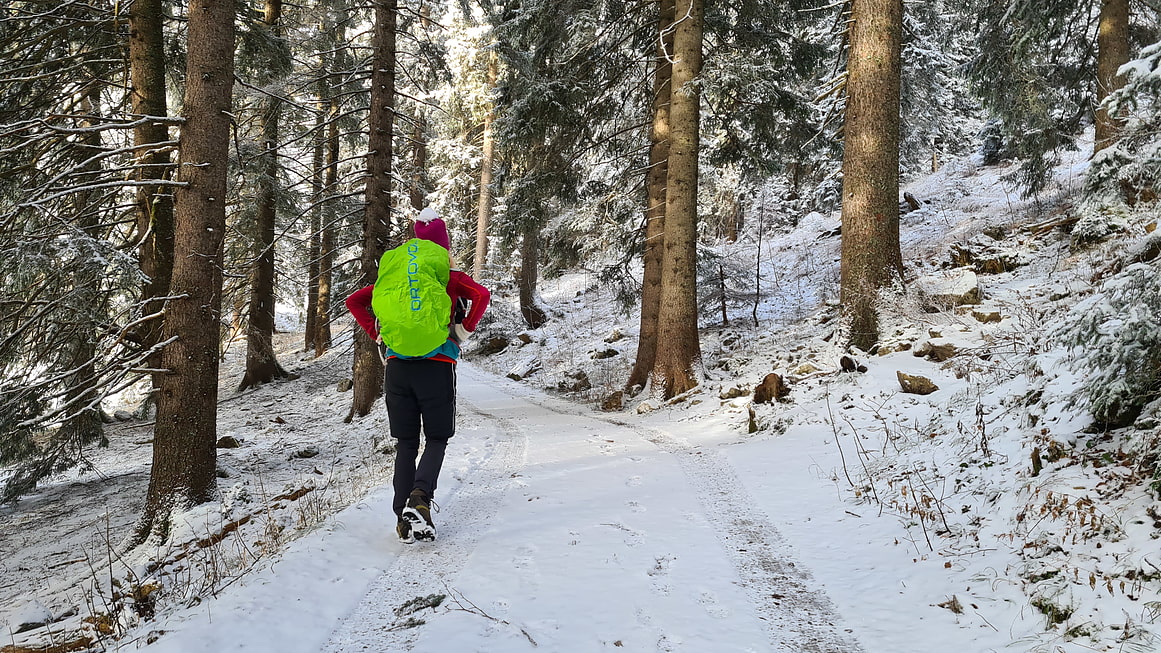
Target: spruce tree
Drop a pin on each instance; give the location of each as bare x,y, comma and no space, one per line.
679,349
184,454
262,364
870,208
1036,68
326,148
377,215
563,78
63,232
1129,170
154,204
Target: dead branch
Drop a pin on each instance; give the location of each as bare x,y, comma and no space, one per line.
79,644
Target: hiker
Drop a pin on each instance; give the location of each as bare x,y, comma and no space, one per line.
420,385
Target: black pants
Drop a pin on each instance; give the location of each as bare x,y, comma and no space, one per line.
421,395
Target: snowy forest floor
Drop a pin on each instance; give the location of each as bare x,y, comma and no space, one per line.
854,518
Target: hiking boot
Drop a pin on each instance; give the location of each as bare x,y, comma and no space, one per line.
403,528
418,514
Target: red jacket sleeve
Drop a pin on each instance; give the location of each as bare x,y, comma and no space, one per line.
461,285
359,304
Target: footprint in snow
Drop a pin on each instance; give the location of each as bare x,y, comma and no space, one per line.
659,573
710,601
524,557
661,564
632,537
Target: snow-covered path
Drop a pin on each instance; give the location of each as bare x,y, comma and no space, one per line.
662,550
496,451
560,530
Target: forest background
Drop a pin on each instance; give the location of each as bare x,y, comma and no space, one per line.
171,171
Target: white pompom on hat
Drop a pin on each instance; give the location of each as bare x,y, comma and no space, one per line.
429,226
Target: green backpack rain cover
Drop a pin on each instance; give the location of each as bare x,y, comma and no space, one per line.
410,298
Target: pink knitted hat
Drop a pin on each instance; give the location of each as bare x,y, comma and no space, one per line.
429,226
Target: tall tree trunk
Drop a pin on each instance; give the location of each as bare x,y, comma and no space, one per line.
261,363
1112,53
417,193
326,253
318,174
326,156
317,196
184,456
655,199
83,422
731,208
154,204
870,212
678,347
368,368
526,278
487,162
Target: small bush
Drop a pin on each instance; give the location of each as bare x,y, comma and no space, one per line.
1129,170
1116,338
1052,611
1098,222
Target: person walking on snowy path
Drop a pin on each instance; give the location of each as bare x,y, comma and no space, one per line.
410,310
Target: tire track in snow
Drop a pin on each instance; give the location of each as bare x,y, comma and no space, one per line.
423,569
796,613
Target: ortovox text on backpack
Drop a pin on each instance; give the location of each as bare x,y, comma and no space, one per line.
410,298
